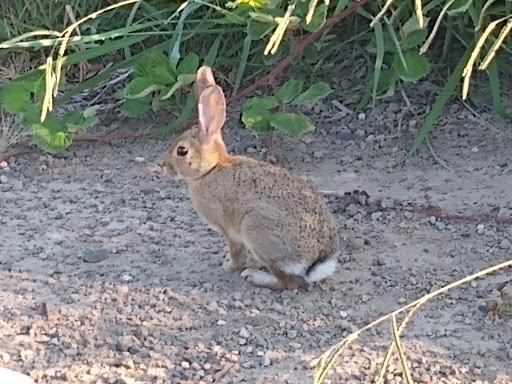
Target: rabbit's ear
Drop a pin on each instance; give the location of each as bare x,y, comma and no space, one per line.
212,111
204,79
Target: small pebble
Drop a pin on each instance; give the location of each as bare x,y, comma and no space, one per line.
480,229
505,244
432,220
318,154
139,159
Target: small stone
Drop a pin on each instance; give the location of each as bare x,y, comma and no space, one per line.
505,244
432,220
343,314
124,343
360,133
251,150
221,322
237,296
3,179
242,341
185,365
141,332
6,357
361,117
318,154
440,225
291,334
402,300
244,333
376,216
266,361
480,229
94,255
286,294
139,159
408,215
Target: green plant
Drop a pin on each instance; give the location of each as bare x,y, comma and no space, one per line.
266,114
407,39
23,97
154,83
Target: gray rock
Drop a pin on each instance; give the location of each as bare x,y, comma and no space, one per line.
94,255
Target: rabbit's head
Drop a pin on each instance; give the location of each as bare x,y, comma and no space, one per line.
198,150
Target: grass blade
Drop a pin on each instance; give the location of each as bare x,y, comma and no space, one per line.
440,103
243,63
494,84
213,51
174,52
379,40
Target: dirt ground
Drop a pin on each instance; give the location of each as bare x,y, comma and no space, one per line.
107,275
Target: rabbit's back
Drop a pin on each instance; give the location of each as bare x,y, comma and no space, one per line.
286,204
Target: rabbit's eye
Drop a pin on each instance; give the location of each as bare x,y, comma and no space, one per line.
181,151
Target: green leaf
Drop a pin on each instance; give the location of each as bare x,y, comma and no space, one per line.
257,30
318,20
140,87
412,24
147,62
33,82
290,90
188,65
263,18
255,113
182,80
459,6
75,121
135,108
316,92
386,81
14,97
414,39
418,66
155,66
256,120
261,103
91,111
291,124
51,136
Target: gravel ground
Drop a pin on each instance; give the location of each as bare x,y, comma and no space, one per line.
107,275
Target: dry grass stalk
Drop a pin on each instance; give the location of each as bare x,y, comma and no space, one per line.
328,358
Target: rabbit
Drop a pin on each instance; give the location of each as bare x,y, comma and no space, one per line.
267,216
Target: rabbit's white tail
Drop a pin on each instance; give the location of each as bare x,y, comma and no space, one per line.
321,270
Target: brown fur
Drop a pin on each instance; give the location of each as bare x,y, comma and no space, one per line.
264,212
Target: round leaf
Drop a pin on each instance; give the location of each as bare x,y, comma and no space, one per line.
291,124
140,87
316,92
50,135
135,108
318,20
291,89
256,120
14,97
418,66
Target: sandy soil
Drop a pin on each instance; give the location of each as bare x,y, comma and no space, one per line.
107,275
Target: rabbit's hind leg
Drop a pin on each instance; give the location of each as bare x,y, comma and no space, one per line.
277,280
